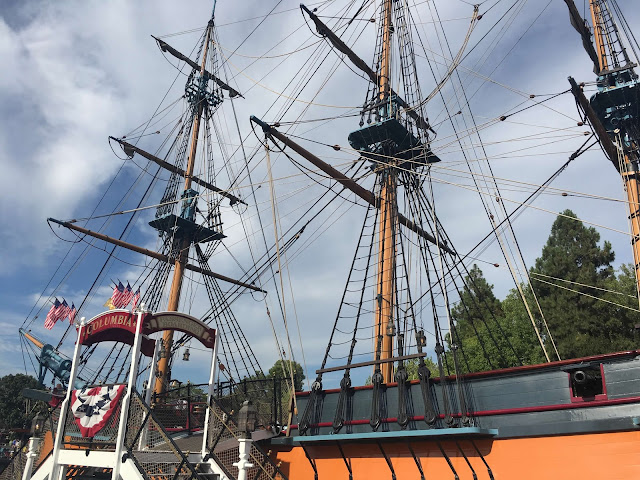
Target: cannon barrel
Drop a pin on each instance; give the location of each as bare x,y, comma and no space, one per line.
584,377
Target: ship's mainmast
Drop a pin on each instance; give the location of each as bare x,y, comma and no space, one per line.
387,219
616,103
614,110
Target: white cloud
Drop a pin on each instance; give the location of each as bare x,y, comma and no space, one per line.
81,71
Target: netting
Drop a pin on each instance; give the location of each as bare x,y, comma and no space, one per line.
222,443
269,396
151,446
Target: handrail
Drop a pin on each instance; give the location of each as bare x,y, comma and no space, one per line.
256,461
176,450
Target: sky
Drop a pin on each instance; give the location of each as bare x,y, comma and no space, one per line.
79,71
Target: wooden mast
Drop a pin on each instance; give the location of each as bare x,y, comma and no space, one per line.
162,380
387,219
628,169
598,30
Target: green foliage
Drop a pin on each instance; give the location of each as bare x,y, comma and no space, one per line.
581,324
12,404
412,368
589,310
283,370
491,334
185,390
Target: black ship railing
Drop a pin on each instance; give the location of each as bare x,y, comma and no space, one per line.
182,408
270,396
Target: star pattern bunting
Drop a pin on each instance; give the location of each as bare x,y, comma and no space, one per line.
93,408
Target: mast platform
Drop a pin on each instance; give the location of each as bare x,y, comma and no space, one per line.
182,227
618,98
389,137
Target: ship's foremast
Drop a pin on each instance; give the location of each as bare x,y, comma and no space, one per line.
185,243
179,229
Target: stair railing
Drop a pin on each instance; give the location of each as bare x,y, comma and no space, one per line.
151,462
224,447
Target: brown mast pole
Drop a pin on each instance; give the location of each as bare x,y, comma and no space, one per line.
628,169
596,18
162,380
387,220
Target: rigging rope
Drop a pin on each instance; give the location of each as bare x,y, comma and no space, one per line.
277,243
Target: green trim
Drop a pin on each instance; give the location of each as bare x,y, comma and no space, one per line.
436,433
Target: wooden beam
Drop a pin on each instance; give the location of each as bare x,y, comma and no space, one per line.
130,149
372,362
31,338
165,47
580,25
337,42
607,145
150,253
347,182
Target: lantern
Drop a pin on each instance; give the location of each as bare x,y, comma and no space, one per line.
247,417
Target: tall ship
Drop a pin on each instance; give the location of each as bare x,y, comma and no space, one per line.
318,191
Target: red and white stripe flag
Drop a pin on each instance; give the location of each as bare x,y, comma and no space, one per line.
72,313
135,299
128,295
51,319
65,309
118,296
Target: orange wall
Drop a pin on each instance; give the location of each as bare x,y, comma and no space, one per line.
599,456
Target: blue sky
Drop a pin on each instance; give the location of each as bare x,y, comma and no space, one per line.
81,71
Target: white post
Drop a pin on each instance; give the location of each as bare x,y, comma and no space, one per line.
212,379
126,401
243,452
31,455
64,408
142,445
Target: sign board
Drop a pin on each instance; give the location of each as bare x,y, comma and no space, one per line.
115,326
120,326
182,323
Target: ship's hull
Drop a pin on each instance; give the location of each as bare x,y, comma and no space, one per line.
525,422
612,455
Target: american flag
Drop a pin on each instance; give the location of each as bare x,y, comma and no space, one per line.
72,313
135,299
128,295
53,315
65,309
118,296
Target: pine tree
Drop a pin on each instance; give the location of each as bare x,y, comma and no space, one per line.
569,278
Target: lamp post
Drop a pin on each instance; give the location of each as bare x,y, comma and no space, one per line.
247,418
